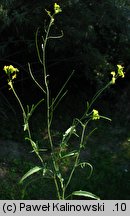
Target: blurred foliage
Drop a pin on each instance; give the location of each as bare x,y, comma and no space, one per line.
96,35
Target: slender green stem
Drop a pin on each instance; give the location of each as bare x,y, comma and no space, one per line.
35,79
30,138
46,85
63,193
36,41
11,85
77,157
25,117
49,111
61,90
57,187
97,95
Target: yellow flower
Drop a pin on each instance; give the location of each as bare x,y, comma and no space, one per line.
57,8
120,67
113,73
95,115
120,71
11,73
113,77
10,69
14,76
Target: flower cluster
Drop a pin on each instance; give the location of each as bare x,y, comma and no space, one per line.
95,115
57,8
11,71
120,73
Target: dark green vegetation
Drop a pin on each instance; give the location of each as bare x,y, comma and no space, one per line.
96,38
108,150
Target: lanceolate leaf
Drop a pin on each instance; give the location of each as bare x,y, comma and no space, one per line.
30,172
70,154
85,194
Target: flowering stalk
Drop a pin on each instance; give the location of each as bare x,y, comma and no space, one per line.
61,181
11,72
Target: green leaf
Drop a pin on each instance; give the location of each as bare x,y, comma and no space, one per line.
66,136
25,126
70,154
30,172
87,105
85,164
69,131
40,150
87,137
104,117
34,145
85,194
